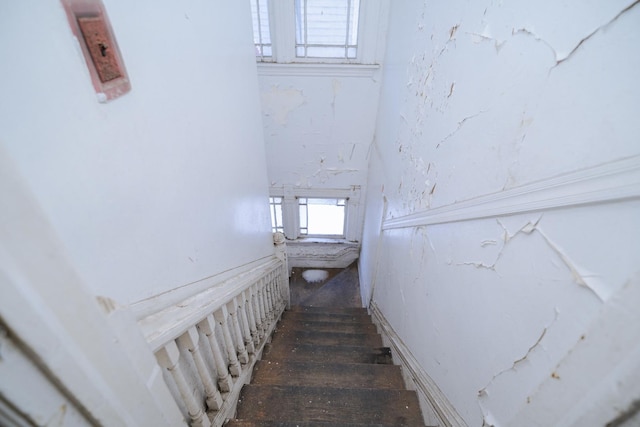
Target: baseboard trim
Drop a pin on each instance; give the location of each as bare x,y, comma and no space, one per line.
610,182
427,390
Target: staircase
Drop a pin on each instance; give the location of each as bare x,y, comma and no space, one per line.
326,367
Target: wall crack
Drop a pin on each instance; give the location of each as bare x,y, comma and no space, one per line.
483,392
601,27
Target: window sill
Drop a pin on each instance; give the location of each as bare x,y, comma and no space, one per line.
321,70
340,240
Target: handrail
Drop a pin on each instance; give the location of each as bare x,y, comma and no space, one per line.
209,342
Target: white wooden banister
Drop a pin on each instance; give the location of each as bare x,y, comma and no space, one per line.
224,329
221,316
207,326
191,341
244,319
241,350
168,357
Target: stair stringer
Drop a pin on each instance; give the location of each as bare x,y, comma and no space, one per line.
436,408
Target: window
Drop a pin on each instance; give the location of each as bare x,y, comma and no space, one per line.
324,213
322,217
275,204
318,31
261,29
327,28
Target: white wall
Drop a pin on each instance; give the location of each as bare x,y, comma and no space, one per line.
161,187
318,128
495,285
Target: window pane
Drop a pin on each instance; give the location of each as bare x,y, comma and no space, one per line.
303,215
275,203
261,31
329,26
322,217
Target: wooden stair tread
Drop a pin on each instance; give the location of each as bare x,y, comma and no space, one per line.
329,310
326,317
327,354
336,405
250,423
349,375
287,337
324,326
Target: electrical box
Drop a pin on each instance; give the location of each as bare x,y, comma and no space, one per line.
90,24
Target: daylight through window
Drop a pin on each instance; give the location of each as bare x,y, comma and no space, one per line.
261,30
287,31
327,28
275,204
322,217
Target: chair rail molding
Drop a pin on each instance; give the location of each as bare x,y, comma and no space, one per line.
606,183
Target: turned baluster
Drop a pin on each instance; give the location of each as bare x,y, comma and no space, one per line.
207,326
276,290
263,310
243,357
191,341
221,317
246,331
255,294
270,298
168,357
251,316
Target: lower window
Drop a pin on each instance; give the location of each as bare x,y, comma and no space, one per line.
322,217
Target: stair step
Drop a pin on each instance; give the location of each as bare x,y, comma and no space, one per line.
248,423
313,374
290,338
329,310
328,354
335,405
344,327
326,317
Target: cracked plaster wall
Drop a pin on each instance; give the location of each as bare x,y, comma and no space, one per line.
486,96
318,129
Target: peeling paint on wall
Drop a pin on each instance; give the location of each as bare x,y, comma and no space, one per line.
484,393
279,103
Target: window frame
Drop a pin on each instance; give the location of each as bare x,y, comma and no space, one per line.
275,226
291,211
282,24
345,204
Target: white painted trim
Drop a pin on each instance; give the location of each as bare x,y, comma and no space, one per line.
615,181
426,388
171,322
319,70
321,253
157,303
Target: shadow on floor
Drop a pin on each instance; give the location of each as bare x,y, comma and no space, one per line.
340,289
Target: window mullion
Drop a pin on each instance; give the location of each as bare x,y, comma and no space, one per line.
283,33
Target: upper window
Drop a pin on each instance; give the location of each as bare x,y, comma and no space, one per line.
312,30
261,29
322,217
327,28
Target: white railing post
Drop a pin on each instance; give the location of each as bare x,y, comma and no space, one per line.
221,317
207,326
248,295
244,319
243,357
191,341
168,357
